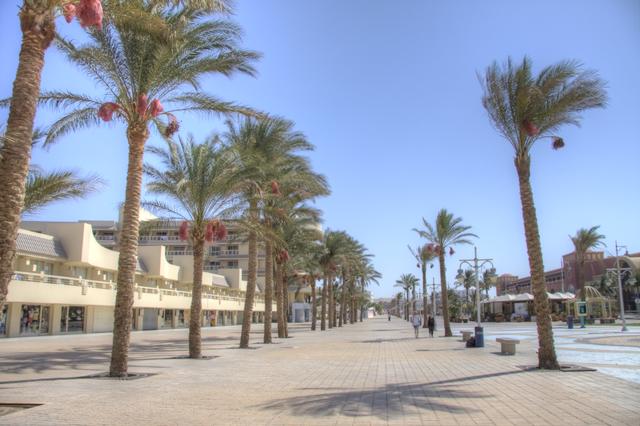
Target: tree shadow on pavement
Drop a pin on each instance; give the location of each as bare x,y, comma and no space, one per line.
385,402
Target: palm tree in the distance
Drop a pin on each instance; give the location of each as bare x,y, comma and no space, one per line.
584,241
139,70
446,232
525,109
195,181
423,256
408,283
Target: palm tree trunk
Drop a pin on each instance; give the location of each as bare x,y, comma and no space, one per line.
330,303
580,275
334,303
343,302
195,320
314,308
546,352
280,313
127,260
38,29
425,302
444,294
285,303
251,280
323,308
268,289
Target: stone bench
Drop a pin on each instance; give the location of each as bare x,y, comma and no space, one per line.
507,346
466,334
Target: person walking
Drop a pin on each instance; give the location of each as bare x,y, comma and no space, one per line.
416,320
431,323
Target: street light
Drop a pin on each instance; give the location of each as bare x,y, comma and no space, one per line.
619,272
477,264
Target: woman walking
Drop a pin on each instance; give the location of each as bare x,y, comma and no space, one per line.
431,324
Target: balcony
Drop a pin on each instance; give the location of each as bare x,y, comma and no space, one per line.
26,287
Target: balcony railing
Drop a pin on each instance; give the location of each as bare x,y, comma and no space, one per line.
220,294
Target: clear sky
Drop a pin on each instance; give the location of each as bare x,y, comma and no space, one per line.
388,92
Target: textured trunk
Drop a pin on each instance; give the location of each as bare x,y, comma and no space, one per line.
580,275
546,352
38,29
444,295
334,303
343,305
137,135
268,289
251,280
285,303
330,302
323,308
314,308
280,313
424,296
195,320
413,300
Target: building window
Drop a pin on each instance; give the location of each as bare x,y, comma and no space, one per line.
232,250
3,321
232,264
72,319
34,320
167,318
214,251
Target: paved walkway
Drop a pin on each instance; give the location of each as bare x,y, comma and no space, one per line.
369,373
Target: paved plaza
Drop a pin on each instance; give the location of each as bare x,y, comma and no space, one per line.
374,372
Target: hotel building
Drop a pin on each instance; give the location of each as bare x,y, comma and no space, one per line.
65,280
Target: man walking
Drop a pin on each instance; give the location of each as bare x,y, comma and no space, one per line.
416,320
431,324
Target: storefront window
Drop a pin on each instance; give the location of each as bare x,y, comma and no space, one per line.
34,320
3,321
167,317
72,319
181,322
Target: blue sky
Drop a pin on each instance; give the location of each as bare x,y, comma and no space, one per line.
388,92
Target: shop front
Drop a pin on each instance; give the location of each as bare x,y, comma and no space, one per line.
72,319
34,320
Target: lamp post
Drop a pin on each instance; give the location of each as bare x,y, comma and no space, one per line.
433,302
624,323
476,264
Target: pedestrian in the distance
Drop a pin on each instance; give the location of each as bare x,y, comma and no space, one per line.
431,324
416,320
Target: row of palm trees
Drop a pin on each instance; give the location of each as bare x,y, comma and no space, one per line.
148,58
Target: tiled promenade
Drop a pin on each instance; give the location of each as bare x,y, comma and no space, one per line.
369,373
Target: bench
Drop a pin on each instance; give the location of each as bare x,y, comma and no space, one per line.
507,346
466,335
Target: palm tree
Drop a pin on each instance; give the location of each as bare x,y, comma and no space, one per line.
407,282
335,245
488,281
37,23
197,181
265,149
584,241
468,280
525,109
447,232
423,256
398,298
133,65
43,188
367,274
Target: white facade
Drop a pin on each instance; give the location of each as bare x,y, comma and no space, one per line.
65,282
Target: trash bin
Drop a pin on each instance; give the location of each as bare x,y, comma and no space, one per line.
570,321
479,337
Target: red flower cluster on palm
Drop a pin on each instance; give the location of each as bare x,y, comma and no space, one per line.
530,128
558,142
106,110
183,232
282,257
216,231
275,188
88,12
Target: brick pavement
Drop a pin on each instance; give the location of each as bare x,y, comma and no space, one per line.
369,373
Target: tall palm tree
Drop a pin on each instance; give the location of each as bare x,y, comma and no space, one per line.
446,232
424,257
468,280
37,23
335,245
43,188
525,109
407,282
134,66
264,148
488,281
196,181
366,274
583,241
